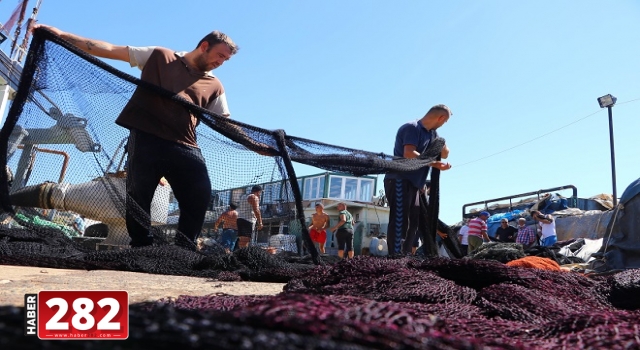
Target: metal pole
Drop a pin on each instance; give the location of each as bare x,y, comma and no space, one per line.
613,159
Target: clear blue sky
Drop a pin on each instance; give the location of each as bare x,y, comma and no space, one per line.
521,77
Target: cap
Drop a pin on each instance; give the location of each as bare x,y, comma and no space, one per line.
484,213
504,220
256,188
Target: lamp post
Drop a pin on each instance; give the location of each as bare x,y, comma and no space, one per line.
608,101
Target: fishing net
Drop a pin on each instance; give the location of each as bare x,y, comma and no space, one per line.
67,158
625,287
66,107
535,262
381,303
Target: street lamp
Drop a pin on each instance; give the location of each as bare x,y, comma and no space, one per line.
607,101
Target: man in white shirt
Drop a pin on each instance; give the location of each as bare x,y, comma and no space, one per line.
463,236
547,225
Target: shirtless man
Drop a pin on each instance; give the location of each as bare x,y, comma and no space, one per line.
229,220
317,230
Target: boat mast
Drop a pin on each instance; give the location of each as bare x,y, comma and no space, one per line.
10,65
25,39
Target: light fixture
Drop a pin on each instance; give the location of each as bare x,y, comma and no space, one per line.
607,101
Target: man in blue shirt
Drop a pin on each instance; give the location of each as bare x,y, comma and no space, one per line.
403,188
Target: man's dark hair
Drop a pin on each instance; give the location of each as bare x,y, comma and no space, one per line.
217,37
539,215
233,206
256,188
440,108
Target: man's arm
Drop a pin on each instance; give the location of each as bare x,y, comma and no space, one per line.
326,221
220,219
256,210
93,47
547,219
440,165
312,223
343,220
410,151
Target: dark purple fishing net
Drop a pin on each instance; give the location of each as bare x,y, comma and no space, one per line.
624,289
378,303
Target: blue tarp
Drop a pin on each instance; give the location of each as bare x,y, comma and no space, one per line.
553,203
511,215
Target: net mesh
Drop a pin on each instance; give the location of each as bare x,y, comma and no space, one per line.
382,303
66,157
63,118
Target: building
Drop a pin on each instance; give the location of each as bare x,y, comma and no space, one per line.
277,205
358,193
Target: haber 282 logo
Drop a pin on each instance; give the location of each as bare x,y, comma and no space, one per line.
77,315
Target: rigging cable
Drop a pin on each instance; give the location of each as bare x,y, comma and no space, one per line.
539,137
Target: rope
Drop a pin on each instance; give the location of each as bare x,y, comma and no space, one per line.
612,224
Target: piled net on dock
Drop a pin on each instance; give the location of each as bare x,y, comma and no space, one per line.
385,303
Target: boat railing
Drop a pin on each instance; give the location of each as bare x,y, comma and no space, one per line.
572,201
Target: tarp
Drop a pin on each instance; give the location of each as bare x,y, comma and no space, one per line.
589,246
621,246
576,223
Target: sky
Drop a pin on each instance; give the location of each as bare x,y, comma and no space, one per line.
521,77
